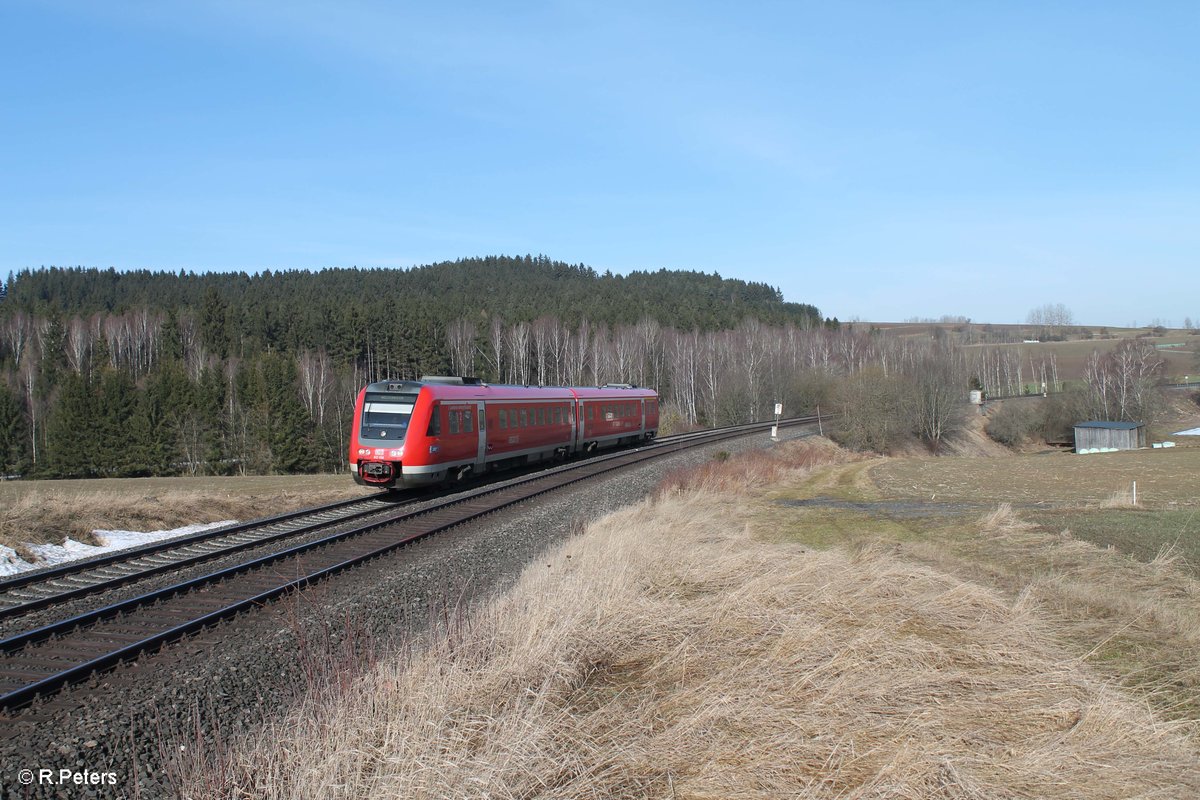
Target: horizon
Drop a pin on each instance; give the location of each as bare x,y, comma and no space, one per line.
876,162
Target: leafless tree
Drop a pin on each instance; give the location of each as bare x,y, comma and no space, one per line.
1123,384
78,344
28,377
518,337
460,339
497,348
15,332
579,347
316,378
937,398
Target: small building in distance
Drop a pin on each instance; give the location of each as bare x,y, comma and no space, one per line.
1105,437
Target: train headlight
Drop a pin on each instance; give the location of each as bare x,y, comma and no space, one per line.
364,451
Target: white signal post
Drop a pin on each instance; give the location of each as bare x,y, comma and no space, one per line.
775,427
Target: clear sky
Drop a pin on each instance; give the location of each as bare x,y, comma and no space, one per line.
881,160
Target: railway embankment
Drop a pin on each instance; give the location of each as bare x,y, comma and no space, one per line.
772,625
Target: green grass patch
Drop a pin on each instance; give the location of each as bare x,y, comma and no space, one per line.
823,528
1142,534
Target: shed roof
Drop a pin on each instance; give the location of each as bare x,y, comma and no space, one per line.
1112,426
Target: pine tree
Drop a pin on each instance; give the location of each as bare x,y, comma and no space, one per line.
289,434
119,448
14,436
71,440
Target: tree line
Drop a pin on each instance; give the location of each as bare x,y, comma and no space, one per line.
204,380
150,373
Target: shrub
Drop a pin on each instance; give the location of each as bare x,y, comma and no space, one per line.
1014,423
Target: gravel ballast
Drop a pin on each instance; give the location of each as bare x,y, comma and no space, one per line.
125,730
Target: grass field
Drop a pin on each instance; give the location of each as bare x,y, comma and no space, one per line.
1166,479
49,511
699,646
1071,356
1119,581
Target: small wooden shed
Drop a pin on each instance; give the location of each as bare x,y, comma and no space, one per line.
1102,437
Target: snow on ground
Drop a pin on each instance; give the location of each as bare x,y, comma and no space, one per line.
1188,432
71,550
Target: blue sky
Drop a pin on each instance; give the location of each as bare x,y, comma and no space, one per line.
881,160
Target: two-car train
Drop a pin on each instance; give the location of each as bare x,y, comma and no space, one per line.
414,433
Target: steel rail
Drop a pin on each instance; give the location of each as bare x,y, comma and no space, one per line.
105,583
517,492
129,553
27,591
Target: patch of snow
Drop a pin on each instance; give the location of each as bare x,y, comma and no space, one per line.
11,563
1188,432
71,550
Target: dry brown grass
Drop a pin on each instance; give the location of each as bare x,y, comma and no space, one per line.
752,469
1122,498
670,653
1138,621
1003,520
50,511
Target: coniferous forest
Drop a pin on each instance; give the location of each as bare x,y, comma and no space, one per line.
106,373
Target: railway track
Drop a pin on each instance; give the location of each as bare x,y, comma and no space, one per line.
31,591
41,660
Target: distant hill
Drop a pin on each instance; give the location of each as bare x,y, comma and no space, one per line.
298,307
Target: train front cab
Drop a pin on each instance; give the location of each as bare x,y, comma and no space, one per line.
391,419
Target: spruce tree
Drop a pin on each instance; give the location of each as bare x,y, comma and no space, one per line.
14,435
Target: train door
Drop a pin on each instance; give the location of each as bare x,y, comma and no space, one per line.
481,428
642,406
577,429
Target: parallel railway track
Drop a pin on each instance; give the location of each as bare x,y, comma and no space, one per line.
41,660
28,592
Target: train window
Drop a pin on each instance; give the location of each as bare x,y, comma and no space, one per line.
591,411
386,416
454,422
524,418
541,416
435,422
557,415
502,418
468,422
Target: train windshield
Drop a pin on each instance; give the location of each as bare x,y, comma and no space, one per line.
386,416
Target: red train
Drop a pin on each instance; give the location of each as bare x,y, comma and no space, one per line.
414,433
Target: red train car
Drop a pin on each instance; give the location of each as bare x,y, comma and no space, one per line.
414,433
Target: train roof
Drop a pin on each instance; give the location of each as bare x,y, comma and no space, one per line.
442,390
